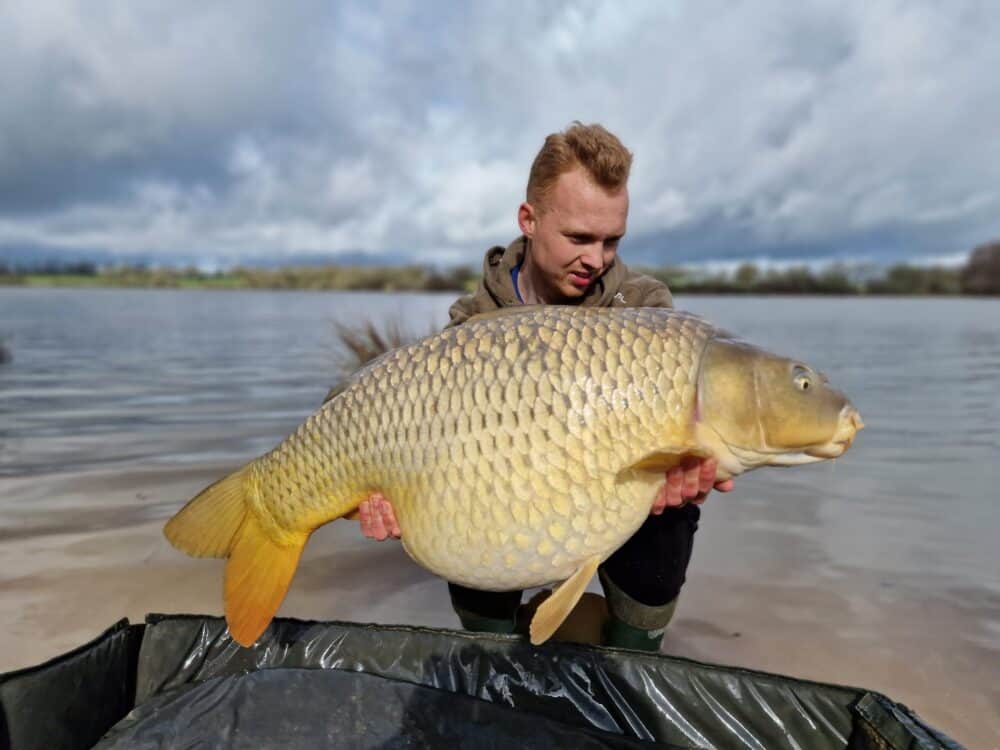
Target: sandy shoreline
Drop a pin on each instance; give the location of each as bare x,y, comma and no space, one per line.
82,550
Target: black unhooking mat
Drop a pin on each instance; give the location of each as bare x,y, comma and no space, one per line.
180,681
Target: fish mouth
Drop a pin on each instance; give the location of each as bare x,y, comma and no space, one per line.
849,424
829,450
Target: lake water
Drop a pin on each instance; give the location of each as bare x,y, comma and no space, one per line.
907,522
115,377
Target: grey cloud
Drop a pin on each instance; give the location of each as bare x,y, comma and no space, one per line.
405,129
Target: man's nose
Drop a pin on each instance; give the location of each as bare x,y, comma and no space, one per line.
593,256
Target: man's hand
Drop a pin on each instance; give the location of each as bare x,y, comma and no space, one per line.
690,482
378,521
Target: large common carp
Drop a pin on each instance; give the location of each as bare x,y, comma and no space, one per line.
518,449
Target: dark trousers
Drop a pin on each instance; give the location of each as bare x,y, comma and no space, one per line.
650,567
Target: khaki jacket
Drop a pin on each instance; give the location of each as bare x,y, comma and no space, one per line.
618,287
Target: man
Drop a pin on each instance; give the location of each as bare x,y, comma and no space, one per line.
572,221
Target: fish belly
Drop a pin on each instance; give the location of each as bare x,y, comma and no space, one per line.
515,540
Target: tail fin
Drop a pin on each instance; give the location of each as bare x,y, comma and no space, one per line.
257,577
218,523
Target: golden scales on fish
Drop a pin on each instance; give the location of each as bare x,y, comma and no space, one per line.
518,449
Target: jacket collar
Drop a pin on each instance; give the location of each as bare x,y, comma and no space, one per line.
500,261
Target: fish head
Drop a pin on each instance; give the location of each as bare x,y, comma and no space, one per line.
761,409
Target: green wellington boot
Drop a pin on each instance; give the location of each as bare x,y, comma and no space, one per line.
481,624
632,624
620,634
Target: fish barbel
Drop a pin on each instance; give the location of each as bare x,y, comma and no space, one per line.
520,448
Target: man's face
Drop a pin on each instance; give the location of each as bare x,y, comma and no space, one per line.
574,235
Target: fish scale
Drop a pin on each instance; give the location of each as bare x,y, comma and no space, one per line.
444,429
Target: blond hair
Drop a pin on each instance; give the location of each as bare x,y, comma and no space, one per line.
592,147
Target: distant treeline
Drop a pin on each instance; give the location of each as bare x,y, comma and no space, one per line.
749,279
981,275
371,278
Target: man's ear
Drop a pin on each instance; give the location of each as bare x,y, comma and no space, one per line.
527,219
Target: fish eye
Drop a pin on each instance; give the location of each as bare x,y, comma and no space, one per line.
802,378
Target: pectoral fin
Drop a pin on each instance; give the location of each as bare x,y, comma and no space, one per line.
663,461
556,608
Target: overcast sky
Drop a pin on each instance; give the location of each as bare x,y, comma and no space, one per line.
235,130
